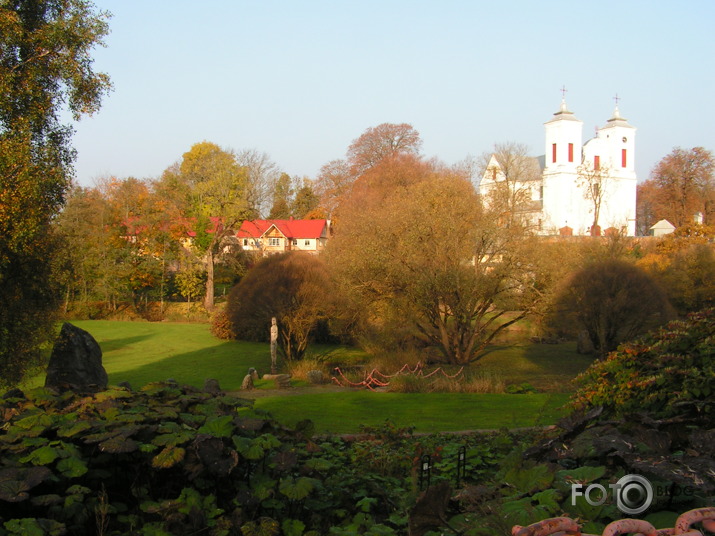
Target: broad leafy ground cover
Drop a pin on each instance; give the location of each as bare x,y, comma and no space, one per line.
142,352
170,459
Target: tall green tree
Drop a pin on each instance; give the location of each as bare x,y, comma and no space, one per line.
305,201
216,186
282,198
45,68
88,273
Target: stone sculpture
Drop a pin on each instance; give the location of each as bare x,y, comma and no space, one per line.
274,345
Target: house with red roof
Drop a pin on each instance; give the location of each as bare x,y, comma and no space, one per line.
278,236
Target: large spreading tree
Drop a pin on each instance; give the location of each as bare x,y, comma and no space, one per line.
415,241
45,69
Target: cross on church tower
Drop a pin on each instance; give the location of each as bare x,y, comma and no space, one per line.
563,109
616,112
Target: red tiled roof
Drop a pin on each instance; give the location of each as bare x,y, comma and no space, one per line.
215,223
289,228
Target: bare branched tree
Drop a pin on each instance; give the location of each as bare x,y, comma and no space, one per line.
509,179
593,180
262,174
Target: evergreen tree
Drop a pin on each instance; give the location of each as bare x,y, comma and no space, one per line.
282,198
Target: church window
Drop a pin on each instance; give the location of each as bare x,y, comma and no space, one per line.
623,158
553,152
570,152
596,163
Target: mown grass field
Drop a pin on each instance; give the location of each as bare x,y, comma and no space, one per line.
344,412
143,352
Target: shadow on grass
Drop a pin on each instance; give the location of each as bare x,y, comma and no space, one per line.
548,367
227,362
556,365
496,348
117,344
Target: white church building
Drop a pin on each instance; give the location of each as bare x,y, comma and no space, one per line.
579,183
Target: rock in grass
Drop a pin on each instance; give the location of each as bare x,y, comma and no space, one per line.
212,386
76,362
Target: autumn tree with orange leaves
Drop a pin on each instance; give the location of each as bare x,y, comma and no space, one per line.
681,185
377,144
416,249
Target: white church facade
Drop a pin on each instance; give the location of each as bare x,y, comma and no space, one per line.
580,184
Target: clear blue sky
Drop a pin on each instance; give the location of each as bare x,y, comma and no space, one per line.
299,80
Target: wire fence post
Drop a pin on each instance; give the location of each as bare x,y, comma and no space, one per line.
461,464
425,471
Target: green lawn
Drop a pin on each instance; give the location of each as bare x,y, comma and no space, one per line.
549,367
143,352
344,412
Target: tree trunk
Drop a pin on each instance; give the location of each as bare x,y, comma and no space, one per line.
209,298
67,300
163,277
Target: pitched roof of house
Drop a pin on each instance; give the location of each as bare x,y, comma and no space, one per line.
289,228
663,224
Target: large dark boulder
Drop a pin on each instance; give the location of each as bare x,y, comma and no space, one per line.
76,362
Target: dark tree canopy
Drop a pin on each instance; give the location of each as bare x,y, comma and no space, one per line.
294,287
613,300
45,67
